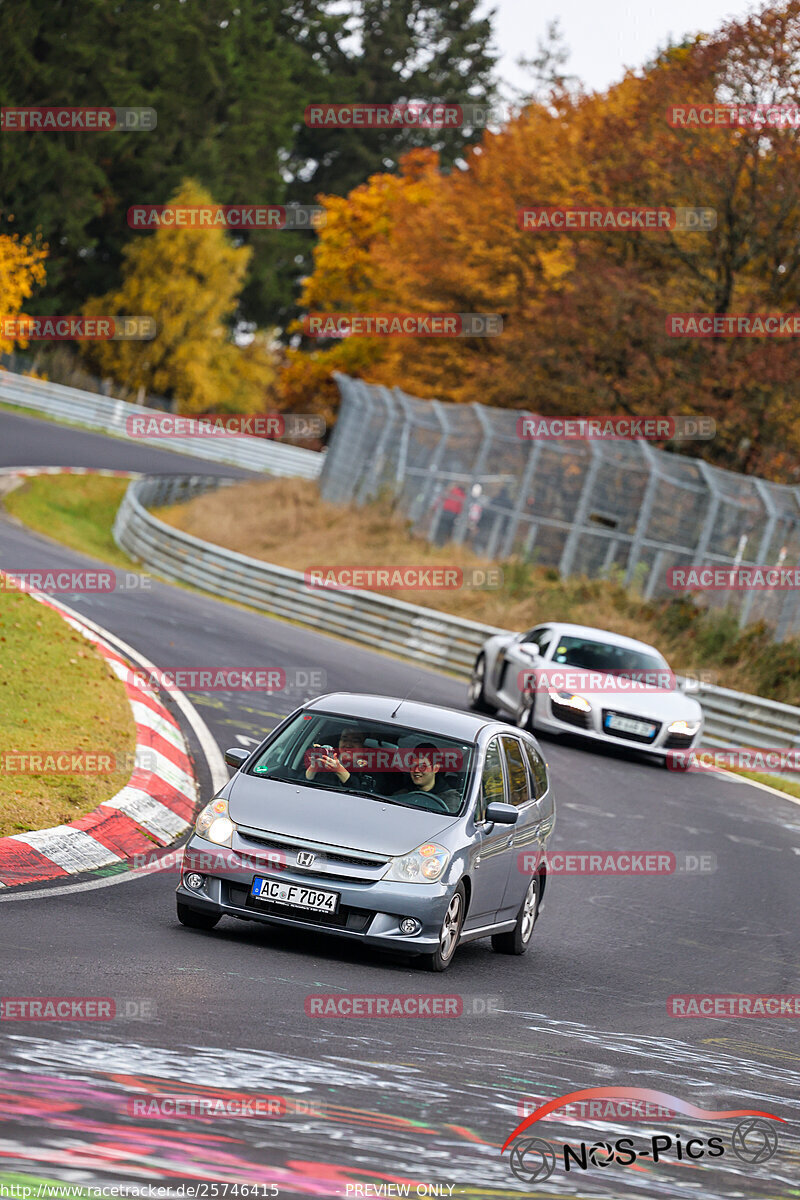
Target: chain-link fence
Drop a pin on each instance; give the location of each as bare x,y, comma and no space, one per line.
623,509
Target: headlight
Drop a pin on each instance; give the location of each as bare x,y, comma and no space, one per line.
423,865
214,824
690,727
570,701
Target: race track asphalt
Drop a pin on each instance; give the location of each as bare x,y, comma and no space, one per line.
421,1101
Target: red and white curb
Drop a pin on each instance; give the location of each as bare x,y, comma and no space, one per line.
153,809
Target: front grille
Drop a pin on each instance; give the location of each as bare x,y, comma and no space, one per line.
354,919
572,716
629,737
324,854
679,741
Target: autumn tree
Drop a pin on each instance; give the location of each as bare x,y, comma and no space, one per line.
585,312
21,272
188,280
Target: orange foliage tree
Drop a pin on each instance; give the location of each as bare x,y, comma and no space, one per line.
585,312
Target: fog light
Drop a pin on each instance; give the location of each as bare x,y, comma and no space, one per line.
409,925
193,880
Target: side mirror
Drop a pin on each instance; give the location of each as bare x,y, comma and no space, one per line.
501,814
236,757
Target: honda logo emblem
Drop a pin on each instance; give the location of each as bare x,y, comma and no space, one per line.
305,858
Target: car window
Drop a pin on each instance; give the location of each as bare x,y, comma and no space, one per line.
538,770
404,766
517,774
492,784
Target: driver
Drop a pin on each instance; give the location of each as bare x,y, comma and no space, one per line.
350,739
424,777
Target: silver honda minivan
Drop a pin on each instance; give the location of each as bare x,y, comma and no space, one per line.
407,826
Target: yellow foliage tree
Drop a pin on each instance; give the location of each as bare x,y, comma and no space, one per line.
188,280
21,271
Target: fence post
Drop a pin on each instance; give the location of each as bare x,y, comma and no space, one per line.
579,520
373,472
763,546
427,495
645,512
524,488
460,527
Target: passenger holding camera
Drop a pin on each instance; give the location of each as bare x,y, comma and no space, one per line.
326,759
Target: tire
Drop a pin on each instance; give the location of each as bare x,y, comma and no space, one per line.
476,696
517,940
452,924
194,919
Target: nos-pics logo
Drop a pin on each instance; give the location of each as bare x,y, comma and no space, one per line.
754,1140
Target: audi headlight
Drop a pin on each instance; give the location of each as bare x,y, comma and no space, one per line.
214,823
688,727
426,864
570,701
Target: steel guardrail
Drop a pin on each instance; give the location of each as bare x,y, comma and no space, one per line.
77,407
409,631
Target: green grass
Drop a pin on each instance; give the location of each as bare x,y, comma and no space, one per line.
775,781
56,693
76,510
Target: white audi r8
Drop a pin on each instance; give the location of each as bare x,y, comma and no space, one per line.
575,679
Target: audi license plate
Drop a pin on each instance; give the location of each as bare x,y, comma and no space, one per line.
629,725
295,895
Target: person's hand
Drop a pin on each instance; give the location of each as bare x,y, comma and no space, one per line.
330,762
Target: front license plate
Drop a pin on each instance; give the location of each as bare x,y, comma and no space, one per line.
629,725
295,895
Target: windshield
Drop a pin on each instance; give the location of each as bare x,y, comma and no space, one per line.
389,763
600,656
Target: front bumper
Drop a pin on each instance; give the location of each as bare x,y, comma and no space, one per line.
663,744
368,911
